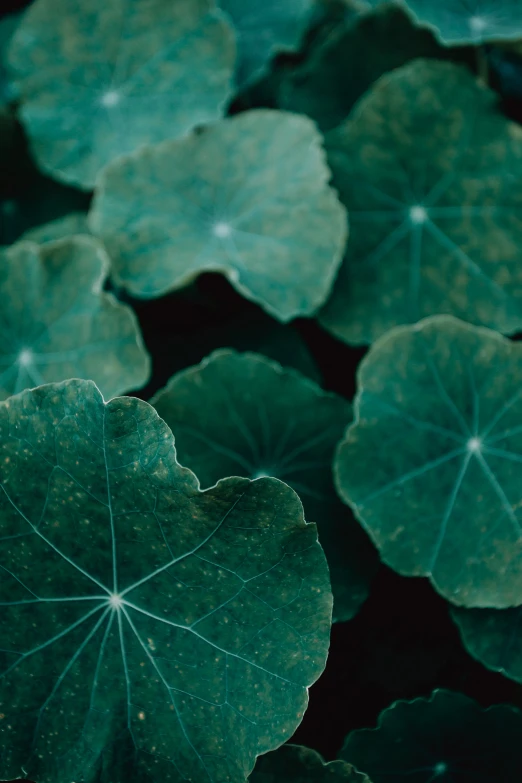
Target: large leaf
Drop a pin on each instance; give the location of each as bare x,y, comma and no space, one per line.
56,322
447,738
98,79
295,764
149,631
493,637
427,167
350,60
431,466
247,197
243,415
263,29
468,21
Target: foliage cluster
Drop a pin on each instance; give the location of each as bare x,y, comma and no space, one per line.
260,293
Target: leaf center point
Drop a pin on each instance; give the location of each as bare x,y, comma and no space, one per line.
418,215
222,230
25,357
116,601
474,445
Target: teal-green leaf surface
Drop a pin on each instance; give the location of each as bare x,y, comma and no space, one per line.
427,167
71,225
446,738
493,637
296,764
263,29
98,79
149,631
248,197
469,21
431,465
244,415
56,322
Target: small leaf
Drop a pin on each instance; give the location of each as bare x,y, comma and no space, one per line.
263,29
247,197
350,60
493,637
149,631
243,415
427,167
295,764
431,466
98,79
57,322
447,738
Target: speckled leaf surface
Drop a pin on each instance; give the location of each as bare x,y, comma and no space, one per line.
61,228
350,60
149,631
296,764
493,637
263,29
435,227
244,415
446,738
56,322
247,197
100,79
431,466
469,21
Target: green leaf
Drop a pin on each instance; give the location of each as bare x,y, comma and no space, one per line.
61,228
434,225
263,29
469,21
431,466
150,632
295,764
98,79
243,415
447,738
247,197
56,321
493,637
350,60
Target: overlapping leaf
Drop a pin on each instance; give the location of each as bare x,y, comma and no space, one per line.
56,322
247,196
71,225
295,764
493,637
431,466
447,738
263,29
99,79
241,414
149,631
428,169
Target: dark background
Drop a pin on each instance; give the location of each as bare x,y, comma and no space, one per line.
403,643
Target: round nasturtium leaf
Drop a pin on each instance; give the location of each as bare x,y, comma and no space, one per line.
263,29
244,415
468,21
296,764
56,322
248,197
493,637
350,60
431,466
148,631
98,79
428,168
447,738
